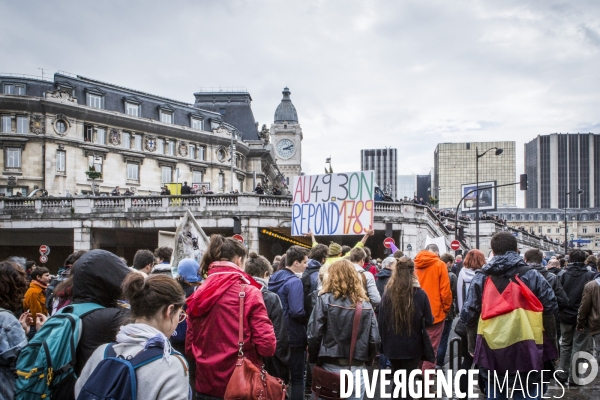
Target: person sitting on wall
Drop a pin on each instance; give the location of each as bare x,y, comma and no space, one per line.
165,191
115,192
277,191
259,189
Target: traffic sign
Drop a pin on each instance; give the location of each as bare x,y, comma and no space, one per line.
43,259
409,247
387,243
455,245
572,235
44,250
238,237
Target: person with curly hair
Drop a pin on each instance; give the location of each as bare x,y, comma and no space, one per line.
163,260
330,325
13,331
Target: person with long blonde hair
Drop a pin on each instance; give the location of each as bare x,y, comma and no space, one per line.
403,306
330,325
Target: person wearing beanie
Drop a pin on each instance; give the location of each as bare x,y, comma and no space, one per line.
335,250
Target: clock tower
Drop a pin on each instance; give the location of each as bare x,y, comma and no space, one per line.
286,136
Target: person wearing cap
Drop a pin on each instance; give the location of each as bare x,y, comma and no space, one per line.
335,250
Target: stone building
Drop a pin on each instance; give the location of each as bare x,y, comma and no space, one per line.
53,133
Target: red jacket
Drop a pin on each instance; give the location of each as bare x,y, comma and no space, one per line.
212,333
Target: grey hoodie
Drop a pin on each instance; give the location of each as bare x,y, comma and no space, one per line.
464,279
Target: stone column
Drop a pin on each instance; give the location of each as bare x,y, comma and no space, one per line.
251,234
82,238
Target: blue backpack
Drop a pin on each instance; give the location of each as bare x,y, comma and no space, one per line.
46,365
114,377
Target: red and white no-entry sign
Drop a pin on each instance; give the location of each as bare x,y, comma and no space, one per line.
44,250
238,237
455,245
387,243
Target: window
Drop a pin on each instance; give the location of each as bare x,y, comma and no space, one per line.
539,229
61,126
61,158
126,140
197,176
198,124
597,230
13,158
132,109
221,181
584,230
192,151
166,117
94,100
138,142
202,153
171,147
167,174
96,162
549,230
22,124
6,123
101,136
160,144
557,230
14,89
133,171
88,133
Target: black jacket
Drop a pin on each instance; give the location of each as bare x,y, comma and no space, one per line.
330,330
554,270
310,283
185,189
559,292
98,275
402,345
383,277
573,280
278,364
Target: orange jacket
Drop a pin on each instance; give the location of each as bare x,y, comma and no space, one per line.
35,300
433,278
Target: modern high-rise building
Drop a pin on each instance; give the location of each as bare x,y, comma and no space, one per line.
455,165
407,186
558,164
385,164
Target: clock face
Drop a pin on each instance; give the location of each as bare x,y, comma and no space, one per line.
285,148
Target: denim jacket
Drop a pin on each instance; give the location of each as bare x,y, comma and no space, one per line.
12,341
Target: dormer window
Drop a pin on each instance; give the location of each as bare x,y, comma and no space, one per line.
133,106
14,88
94,97
166,114
197,124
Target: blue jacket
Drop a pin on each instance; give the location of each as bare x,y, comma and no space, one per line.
289,289
12,341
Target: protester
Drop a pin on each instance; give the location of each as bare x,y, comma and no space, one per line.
259,189
185,189
573,279
310,277
448,259
403,307
369,264
590,263
213,313
553,266
331,324
115,192
13,331
495,351
62,296
259,268
35,297
433,278
286,283
143,261
335,250
165,191
588,316
357,258
385,274
163,260
156,308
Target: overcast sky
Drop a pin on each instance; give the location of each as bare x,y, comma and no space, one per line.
363,74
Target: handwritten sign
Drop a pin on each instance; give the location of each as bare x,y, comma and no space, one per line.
333,204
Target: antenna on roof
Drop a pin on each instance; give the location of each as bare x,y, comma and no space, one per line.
42,73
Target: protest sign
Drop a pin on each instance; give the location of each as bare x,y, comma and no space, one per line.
333,204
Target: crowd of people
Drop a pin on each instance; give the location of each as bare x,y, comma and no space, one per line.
305,317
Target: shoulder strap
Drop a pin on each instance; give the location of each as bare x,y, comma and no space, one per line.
241,321
355,326
81,309
140,359
364,279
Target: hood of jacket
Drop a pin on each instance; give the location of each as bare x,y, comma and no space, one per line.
469,274
262,283
425,259
501,265
577,269
312,266
384,273
97,278
539,268
280,278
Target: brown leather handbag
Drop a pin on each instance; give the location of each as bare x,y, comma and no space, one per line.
326,384
249,382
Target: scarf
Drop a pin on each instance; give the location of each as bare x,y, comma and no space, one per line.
146,336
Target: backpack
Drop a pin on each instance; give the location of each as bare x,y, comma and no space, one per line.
47,362
114,377
510,333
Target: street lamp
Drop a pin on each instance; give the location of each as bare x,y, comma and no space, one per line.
498,152
579,193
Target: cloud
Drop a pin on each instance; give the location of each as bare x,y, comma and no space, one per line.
363,74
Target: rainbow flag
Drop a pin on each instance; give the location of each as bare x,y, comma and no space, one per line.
510,334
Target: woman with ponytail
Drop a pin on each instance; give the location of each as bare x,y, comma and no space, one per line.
156,309
213,310
403,306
